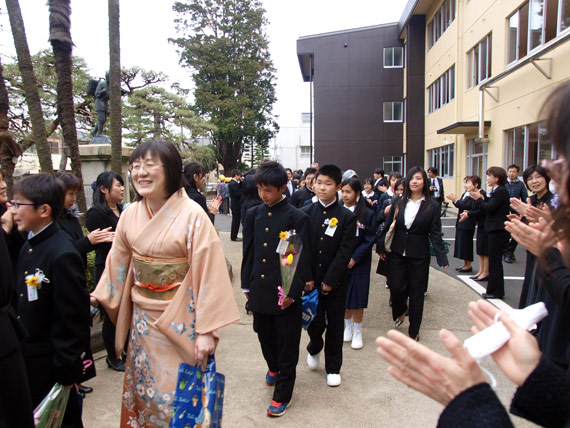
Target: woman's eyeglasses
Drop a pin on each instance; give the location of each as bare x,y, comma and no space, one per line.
147,166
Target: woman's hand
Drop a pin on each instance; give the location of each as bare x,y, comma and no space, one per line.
452,197
475,194
419,368
99,236
215,205
205,346
8,219
93,301
535,237
520,355
519,206
463,216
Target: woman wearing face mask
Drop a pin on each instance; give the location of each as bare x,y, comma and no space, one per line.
359,264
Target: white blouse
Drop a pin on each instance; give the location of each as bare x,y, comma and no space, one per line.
411,211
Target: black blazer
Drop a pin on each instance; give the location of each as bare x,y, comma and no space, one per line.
235,194
298,199
294,185
200,200
70,224
496,208
99,217
261,264
58,321
414,241
331,254
466,204
441,191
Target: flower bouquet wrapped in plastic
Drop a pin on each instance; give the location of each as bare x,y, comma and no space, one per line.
49,413
289,249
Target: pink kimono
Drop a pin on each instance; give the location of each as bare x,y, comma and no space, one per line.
166,280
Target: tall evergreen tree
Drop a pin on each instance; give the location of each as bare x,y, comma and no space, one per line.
115,105
225,45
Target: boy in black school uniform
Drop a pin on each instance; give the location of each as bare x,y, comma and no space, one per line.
333,239
278,326
52,301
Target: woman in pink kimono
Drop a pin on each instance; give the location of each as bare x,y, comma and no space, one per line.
163,281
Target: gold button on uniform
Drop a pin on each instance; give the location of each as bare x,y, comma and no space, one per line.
262,276
263,260
320,251
320,265
265,244
324,212
269,214
26,272
267,229
322,238
323,226
30,251
21,294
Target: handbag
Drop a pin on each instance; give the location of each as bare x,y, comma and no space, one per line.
310,303
390,234
89,371
199,397
432,250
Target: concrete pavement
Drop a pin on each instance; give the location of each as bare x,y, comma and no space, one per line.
368,396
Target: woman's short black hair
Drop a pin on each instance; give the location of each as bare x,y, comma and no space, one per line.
331,171
400,182
43,189
192,168
354,184
499,173
69,180
168,155
408,192
368,180
539,170
475,179
105,179
271,173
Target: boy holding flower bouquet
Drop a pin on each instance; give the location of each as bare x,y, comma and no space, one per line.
273,274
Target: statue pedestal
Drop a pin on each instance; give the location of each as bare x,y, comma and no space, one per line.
100,139
95,159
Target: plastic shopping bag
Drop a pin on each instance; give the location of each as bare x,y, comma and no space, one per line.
310,303
199,397
49,413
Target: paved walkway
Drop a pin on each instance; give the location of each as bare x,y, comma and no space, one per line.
368,396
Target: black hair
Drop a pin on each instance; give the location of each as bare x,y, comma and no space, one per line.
171,161
105,179
69,180
498,172
192,168
361,204
396,174
309,171
400,182
248,187
407,191
539,170
235,172
331,171
379,171
369,180
271,173
475,179
289,170
433,170
43,189
513,166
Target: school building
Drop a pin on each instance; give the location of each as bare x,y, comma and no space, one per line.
475,74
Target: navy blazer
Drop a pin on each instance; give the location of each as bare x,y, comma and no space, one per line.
366,237
414,241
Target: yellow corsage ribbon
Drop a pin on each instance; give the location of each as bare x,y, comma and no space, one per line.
283,236
333,222
36,279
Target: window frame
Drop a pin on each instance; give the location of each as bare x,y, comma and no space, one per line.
474,62
443,158
442,90
393,48
392,109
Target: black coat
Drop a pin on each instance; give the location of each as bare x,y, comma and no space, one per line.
441,191
330,255
261,264
294,185
58,321
496,209
414,241
200,199
466,204
98,217
300,196
235,194
70,224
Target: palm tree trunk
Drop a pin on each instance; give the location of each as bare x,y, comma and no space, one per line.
30,84
60,39
115,106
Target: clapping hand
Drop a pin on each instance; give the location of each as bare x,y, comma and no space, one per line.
475,194
98,236
519,206
535,237
463,216
452,197
215,205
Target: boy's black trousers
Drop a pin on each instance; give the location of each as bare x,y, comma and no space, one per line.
279,336
330,316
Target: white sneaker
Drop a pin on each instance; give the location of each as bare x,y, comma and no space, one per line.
313,361
348,333
356,340
333,379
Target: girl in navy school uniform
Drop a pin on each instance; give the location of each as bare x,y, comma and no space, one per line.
360,262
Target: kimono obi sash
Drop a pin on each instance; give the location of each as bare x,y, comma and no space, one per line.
158,279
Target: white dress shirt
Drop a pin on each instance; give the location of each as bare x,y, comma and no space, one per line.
411,211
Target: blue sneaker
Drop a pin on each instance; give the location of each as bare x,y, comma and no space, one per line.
277,409
271,378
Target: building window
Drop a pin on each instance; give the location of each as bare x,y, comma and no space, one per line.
442,91
479,62
393,57
443,158
393,163
305,151
477,160
393,112
440,22
528,145
564,15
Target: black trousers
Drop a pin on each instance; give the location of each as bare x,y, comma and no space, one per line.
330,316
236,221
15,401
497,243
408,278
279,336
511,244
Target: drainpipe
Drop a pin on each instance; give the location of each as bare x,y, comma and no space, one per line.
481,114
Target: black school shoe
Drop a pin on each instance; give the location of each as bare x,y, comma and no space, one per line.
118,366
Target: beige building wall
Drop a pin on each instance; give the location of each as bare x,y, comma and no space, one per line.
520,94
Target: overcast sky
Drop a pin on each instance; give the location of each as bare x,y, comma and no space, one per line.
146,26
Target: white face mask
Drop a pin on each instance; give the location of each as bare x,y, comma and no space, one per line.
552,187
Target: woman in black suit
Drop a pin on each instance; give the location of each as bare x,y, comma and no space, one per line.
464,230
195,174
108,193
496,208
417,219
